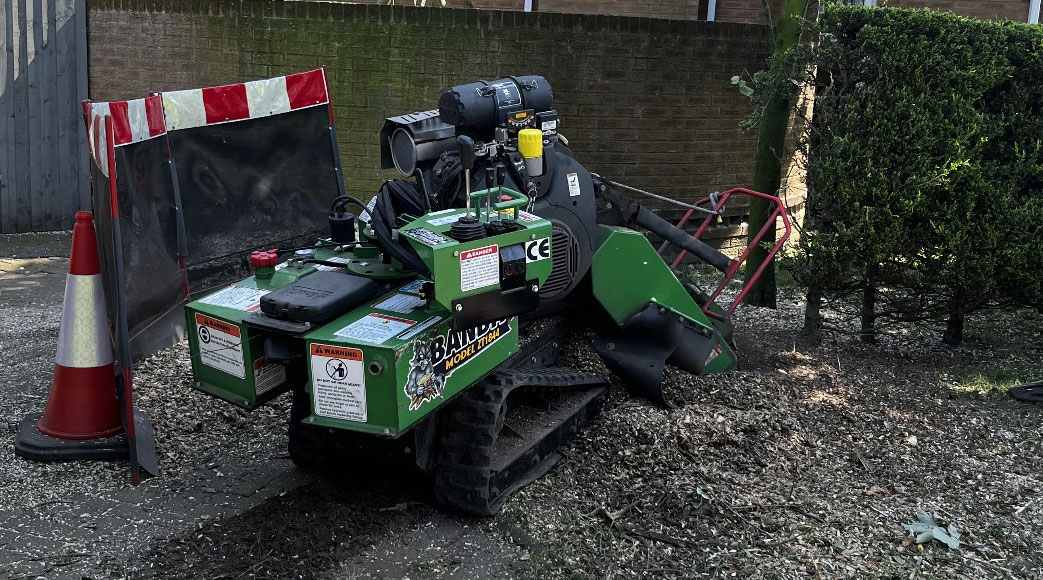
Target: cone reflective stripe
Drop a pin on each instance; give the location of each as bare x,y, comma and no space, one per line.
82,404
83,341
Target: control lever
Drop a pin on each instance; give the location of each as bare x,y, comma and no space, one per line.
467,228
490,183
465,146
501,178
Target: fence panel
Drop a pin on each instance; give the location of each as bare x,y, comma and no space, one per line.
43,78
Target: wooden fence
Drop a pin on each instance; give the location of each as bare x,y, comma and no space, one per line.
43,78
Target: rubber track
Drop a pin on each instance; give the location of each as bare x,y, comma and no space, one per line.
463,476
308,446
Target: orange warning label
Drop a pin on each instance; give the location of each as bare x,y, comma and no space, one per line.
336,352
217,325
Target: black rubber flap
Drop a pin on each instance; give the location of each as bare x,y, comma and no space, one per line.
1028,393
318,298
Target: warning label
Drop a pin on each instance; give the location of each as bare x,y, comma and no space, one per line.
479,268
574,188
267,376
413,287
401,303
220,345
449,219
375,328
365,216
716,352
338,382
237,298
426,236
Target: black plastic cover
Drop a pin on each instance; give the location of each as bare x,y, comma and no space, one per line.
480,107
318,298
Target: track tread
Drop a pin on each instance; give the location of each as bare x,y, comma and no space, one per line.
464,469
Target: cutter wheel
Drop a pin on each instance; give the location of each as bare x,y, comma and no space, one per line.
503,433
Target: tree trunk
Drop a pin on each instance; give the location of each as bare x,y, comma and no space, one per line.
868,333
954,325
767,171
813,314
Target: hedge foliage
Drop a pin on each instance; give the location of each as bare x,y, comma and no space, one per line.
925,162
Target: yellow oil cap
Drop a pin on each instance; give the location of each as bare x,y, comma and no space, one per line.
530,143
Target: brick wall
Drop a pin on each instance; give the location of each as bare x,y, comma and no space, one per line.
671,9
748,11
738,11
1016,10
645,101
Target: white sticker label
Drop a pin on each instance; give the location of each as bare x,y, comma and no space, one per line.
364,216
528,217
426,236
338,382
220,345
413,287
403,303
536,250
549,125
236,298
479,267
419,328
449,219
325,268
267,376
375,328
573,179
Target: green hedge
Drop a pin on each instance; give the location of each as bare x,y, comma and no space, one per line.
925,165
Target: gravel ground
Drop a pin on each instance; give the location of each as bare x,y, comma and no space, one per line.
191,428
807,462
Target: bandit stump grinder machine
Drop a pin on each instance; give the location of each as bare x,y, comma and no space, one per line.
426,329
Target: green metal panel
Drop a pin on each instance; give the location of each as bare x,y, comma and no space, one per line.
234,369
627,274
449,259
390,358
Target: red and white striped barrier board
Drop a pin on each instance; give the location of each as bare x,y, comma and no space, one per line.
132,122
141,119
199,107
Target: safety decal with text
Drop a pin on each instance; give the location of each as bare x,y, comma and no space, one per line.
426,236
413,287
220,345
419,328
536,250
528,217
236,297
338,382
375,327
479,267
267,375
574,189
716,352
365,215
435,360
401,303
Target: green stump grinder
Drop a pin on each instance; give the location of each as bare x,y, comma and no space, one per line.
426,330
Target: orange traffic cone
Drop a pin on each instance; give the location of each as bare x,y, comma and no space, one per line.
82,419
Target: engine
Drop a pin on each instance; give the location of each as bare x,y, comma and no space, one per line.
514,130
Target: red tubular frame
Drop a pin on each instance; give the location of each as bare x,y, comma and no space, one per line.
733,268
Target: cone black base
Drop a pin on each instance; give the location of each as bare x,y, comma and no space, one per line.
31,444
